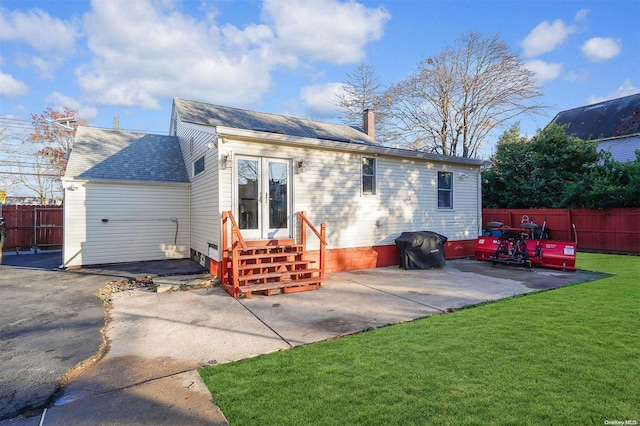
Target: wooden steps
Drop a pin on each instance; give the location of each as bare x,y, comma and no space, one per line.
273,267
277,274
294,264
289,286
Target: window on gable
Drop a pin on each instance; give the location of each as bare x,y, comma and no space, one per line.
368,175
198,166
445,190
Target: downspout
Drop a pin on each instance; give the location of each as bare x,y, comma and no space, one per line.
479,184
64,224
190,221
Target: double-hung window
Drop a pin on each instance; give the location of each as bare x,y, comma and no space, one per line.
445,190
368,175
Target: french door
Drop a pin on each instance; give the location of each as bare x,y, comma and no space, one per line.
262,194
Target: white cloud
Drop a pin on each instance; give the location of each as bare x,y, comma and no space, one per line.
581,76
625,89
600,49
143,54
319,98
545,37
146,51
58,101
53,39
325,30
39,30
45,67
544,71
581,16
10,87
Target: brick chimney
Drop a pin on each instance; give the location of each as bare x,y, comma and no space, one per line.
368,122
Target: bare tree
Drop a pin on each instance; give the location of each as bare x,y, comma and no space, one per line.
24,167
455,99
362,90
36,160
5,177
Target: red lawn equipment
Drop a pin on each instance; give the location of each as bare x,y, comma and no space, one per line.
526,246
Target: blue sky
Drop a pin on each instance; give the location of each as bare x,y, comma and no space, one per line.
129,58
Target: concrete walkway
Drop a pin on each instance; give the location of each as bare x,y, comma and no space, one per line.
157,341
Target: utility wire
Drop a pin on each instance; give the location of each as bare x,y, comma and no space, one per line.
21,124
9,163
30,174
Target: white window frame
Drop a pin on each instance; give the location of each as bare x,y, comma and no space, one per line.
449,190
374,176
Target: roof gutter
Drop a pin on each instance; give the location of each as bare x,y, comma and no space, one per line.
630,135
257,136
70,179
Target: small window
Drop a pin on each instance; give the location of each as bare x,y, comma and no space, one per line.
368,175
198,166
445,190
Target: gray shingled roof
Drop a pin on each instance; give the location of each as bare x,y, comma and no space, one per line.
214,115
109,154
613,118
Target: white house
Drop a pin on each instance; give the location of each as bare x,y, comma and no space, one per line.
615,124
123,191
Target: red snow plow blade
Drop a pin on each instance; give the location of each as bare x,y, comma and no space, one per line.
521,246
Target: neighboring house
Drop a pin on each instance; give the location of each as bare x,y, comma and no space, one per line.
615,124
264,169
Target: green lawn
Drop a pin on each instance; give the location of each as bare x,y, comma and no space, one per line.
566,356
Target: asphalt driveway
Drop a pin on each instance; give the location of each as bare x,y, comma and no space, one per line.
51,320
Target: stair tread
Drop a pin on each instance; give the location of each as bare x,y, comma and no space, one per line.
276,274
268,255
273,247
280,284
275,264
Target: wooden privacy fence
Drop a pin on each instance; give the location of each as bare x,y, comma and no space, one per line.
608,230
32,227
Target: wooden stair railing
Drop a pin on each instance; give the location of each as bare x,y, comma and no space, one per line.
322,236
236,240
269,266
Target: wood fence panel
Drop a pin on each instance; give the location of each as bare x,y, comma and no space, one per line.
610,230
592,229
616,230
32,227
558,221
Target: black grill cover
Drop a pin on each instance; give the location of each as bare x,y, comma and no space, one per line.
421,250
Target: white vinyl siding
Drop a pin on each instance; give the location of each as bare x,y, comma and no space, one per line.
114,223
205,206
329,190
